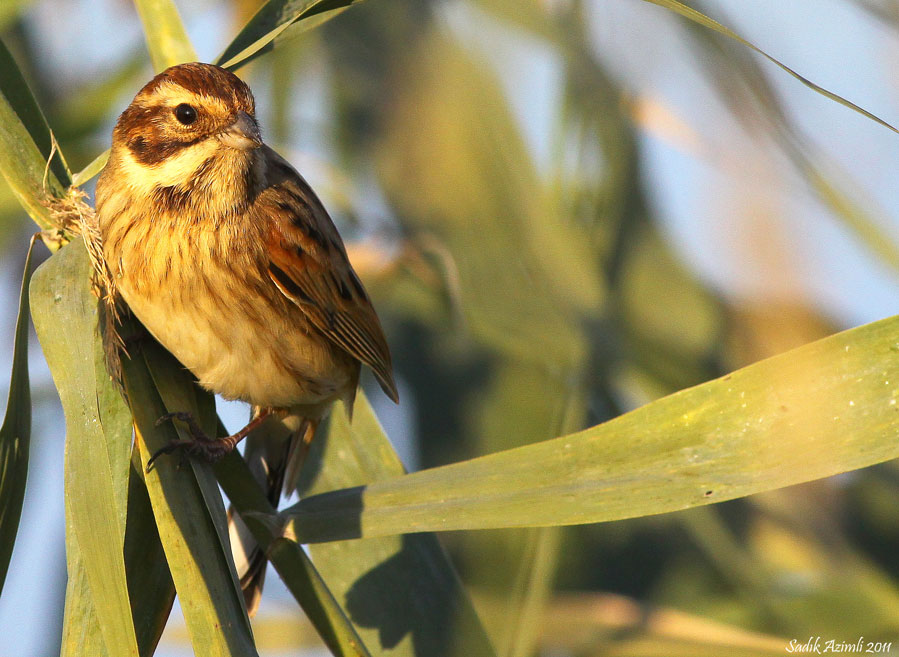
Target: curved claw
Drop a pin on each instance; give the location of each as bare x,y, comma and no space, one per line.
195,431
209,450
201,445
168,449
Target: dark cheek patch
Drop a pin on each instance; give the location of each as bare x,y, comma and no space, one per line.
138,147
146,137
155,149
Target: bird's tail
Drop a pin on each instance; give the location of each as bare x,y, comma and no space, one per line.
274,453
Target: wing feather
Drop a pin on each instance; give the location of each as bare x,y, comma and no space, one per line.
309,265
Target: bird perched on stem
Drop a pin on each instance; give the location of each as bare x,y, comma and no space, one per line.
226,255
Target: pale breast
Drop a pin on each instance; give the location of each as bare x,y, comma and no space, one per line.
201,293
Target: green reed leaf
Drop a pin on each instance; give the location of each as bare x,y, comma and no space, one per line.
91,170
402,594
189,520
828,407
701,19
15,434
289,559
17,93
275,21
166,37
26,145
98,446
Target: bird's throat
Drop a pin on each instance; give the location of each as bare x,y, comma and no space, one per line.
222,185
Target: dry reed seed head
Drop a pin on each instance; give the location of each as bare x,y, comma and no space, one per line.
68,212
79,217
71,215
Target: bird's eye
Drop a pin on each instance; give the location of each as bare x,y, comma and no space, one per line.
186,114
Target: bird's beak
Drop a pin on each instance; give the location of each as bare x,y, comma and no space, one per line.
242,134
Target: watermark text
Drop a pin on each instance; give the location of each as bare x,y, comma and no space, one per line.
816,645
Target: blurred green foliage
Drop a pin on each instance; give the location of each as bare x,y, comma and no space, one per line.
523,304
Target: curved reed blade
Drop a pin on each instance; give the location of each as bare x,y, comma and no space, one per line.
15,434
166,37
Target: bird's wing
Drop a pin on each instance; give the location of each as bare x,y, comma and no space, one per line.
309,265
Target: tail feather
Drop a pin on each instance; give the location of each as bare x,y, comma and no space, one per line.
250,562
266,455
275,452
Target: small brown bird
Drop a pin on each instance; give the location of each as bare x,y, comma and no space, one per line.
226,255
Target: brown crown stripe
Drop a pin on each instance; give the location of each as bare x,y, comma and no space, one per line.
206,80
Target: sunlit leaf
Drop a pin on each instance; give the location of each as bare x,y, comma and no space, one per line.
189,520
15,434
178,391
167,39
705,21
25,145
81,634
531,591
831,406
150,584
98,440
289,559
16,92
278,20
310,590
521,405
91,170
402,594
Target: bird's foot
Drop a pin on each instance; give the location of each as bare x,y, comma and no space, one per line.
199,444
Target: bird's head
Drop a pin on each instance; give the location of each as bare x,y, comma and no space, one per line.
191,121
